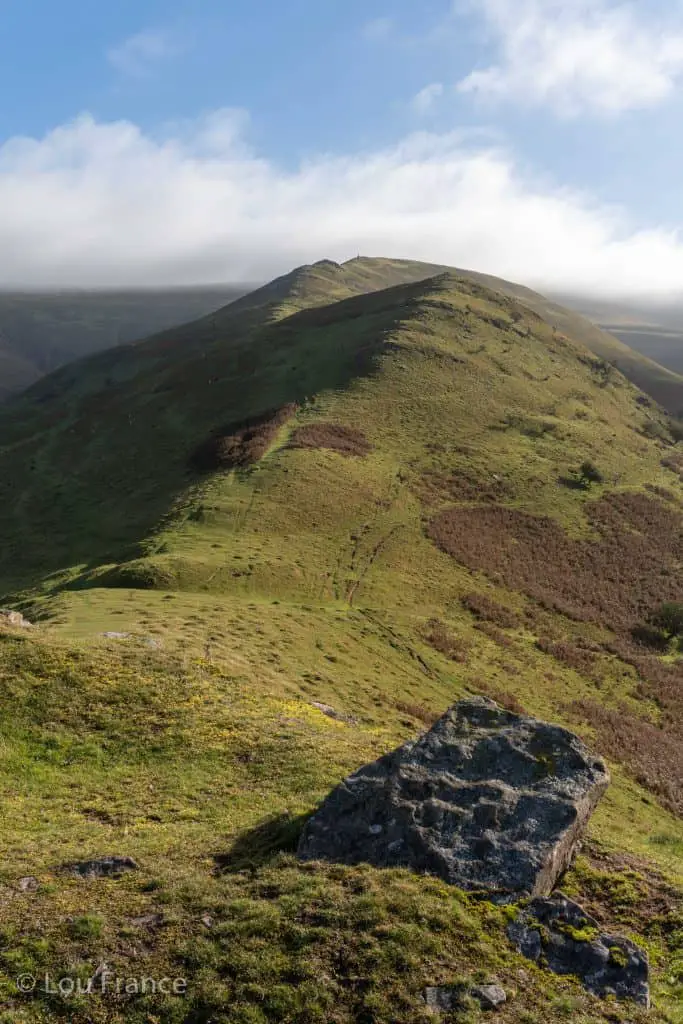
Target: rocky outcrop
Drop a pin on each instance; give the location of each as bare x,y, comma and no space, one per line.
104,867
487,800
558,934
489,997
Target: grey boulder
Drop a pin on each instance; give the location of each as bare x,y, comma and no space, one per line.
558,934
486,800
489,997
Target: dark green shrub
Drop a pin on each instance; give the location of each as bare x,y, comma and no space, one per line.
669,619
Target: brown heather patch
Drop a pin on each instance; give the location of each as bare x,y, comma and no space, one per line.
661,492
578,658
441,639
502,697
486,609
345,440
418,711
651,752
674,463
462,485
620,890
493,633
615,580
240,444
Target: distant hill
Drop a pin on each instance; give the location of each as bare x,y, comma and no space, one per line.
264,548
39,332
654,329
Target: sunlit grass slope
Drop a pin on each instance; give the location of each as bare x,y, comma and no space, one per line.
319,572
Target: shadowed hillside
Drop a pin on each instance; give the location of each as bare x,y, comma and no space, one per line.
39,332
262,550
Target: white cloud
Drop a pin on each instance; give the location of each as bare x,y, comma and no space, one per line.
106,205
426,99
579,55
137,56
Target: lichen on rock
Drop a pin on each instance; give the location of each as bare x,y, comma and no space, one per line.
487,800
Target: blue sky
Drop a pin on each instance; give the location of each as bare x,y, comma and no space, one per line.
171,142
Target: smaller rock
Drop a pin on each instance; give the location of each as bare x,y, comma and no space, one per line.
14,619
489,997
207,921
559,934
440,998
27,884
116,636
104,867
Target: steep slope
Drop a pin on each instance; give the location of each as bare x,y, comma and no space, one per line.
44,332
371,505
662,384
39,332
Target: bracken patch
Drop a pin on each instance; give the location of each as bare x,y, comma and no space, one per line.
652,752
486,609
615,580
441,639
344,440
240,444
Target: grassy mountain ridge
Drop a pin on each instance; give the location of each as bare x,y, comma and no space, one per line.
391,520
39,333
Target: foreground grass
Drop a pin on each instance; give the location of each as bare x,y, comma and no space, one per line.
204,775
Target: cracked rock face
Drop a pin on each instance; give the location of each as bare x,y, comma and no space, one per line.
558,934
487,800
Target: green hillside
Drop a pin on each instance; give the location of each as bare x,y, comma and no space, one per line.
639,365
41,331
353,488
